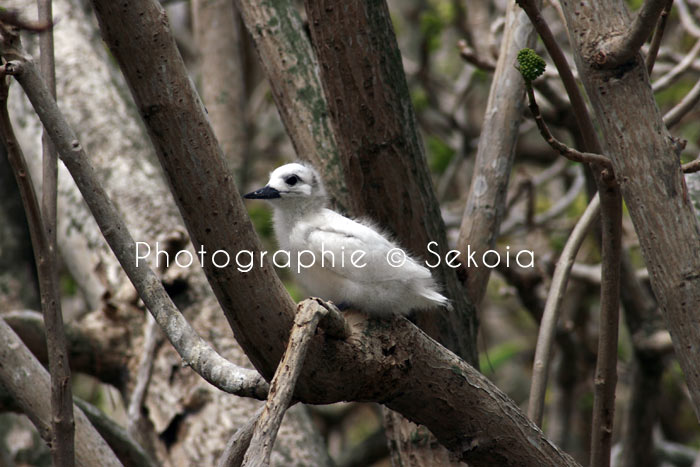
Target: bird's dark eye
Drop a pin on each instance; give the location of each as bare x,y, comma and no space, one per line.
291,181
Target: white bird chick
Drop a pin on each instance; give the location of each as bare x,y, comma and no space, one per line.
302,222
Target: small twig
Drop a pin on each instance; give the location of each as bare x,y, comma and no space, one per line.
238,444
545,338
143,375
606,364
561,148
194,350
687,19
621,49
583,119
469,55
127,449
686,104
673,74
658,35
692,166
309,314
11,17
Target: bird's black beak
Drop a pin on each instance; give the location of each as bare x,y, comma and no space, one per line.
266,192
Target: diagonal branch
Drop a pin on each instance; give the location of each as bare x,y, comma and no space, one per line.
196,352
309,315
27,382
545,338
561,148
658,35
485,206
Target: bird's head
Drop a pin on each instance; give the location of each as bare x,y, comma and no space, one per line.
292,183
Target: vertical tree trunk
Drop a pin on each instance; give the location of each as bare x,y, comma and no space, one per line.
646,163
380,148
289,63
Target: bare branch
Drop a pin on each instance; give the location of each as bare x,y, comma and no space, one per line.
673,116
124,446
470,56
583,119
621,49
675,72
687,20
545,338
62,449
62,445
196,352
691,167
485,206
27,381
238,444
606,365
143,375
309,314
561,148
11,17
658,35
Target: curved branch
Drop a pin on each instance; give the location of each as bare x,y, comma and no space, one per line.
545,338
196,352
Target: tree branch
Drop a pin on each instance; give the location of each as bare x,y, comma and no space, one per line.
126,448
622,48
485,205
692,167
62,445
545,337
309,314
238,444
27,382
580,110
62,449
673,116
191,347
561,148
606,365
658,35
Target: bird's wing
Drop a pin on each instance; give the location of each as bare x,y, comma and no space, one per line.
340,236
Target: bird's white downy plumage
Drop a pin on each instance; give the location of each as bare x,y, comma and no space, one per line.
302,222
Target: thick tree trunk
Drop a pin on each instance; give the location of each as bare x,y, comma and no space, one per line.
289,64
381,151
647,166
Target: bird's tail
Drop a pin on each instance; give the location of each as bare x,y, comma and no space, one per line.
436,298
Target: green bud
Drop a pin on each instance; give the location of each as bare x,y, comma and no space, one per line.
530,64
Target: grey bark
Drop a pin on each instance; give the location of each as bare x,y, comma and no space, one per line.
494,157
28,383
647,166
